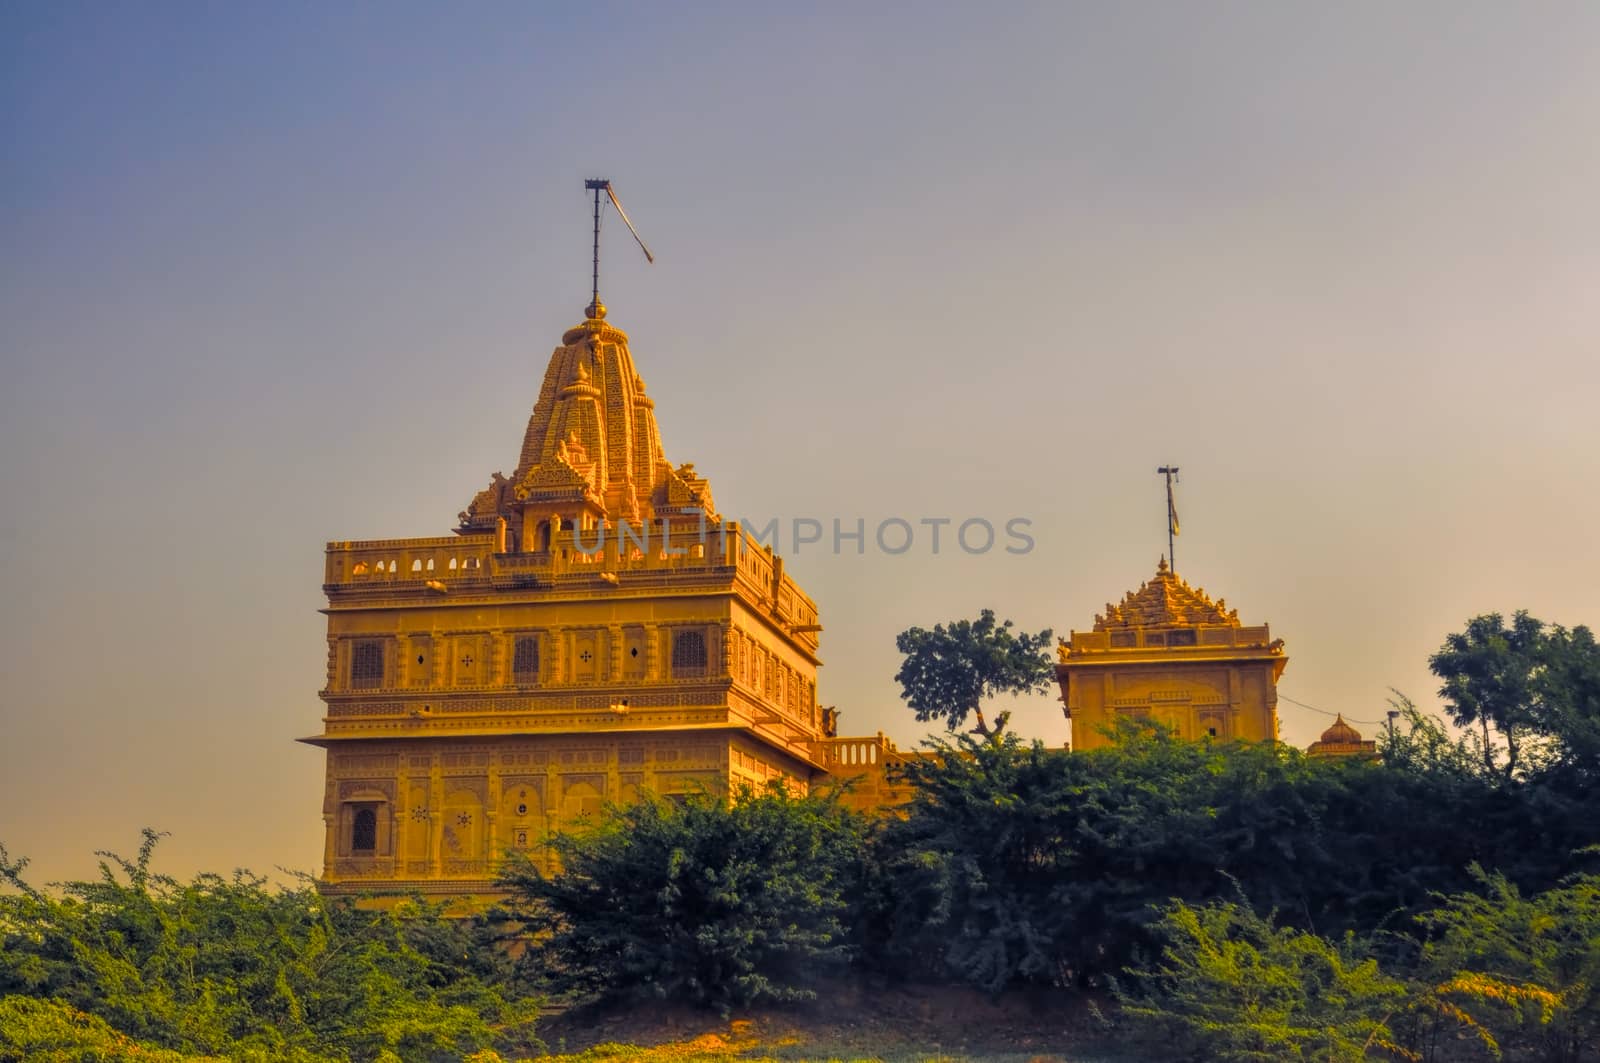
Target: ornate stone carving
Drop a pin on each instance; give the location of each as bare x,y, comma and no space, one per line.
1165,601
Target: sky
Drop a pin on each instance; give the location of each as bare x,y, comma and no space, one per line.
273,275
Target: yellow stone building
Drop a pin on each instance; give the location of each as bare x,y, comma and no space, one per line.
1169,653
592,630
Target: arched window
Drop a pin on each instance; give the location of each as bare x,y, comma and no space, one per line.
364,832
688,654
525,660
366,665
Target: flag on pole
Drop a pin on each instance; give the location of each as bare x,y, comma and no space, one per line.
1172,513
624,215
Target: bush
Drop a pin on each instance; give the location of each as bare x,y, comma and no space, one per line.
711,902
1016,863
1522,972
1232,987
230,967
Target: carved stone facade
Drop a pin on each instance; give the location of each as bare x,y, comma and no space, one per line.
591,631
1169,653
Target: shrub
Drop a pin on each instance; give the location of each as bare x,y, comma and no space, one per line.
1232,987
231,967
711,902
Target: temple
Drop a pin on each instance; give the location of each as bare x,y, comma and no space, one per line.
591,631
1169,653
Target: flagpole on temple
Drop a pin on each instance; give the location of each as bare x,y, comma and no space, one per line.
1171,472
598,185
595,185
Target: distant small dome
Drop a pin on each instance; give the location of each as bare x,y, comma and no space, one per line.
1341,733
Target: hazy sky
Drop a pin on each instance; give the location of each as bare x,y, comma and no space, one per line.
279,274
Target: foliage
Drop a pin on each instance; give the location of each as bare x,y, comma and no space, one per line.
1488,679
228,966
1524,972
710,902
1567,706
48,1031
949,671
1536,686
1425,747
1015,863
1230,986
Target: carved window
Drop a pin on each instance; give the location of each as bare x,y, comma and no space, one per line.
688,654
525,660
364,831
366,665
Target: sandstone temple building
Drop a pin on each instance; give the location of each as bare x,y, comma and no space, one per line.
1169,653
590,631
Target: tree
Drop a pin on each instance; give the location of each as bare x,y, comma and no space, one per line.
1536,685
1567,703
1488,672
949,671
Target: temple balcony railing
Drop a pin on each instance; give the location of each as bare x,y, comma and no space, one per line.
445,558
440,562
848,755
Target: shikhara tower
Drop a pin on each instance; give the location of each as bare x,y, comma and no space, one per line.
592,630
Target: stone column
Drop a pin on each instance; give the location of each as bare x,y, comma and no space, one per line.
652,652
491,812
615,652
330,845
436,821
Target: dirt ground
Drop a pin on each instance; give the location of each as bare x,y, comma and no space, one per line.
847,1022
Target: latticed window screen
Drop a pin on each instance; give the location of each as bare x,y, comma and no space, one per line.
366,665
688,653
364,833
525,659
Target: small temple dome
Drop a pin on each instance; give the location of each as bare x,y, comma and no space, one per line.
1342,740
1341,733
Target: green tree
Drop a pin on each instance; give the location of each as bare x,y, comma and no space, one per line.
949,671
1567,704
710,902
1489,681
